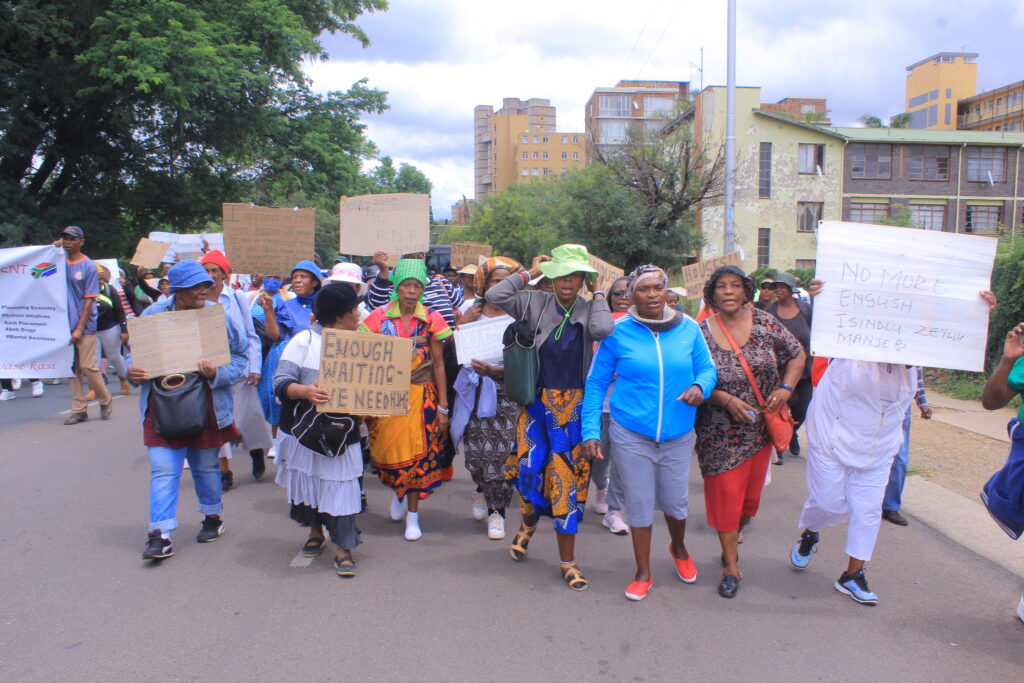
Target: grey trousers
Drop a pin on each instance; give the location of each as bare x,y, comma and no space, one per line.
601,472
653,476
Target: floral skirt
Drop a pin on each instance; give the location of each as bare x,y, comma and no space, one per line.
406,455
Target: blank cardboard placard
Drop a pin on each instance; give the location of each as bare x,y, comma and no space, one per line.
902,295
149,253
175,341
268,241
469,253
396,223
695,275
481,340
365,373
606,275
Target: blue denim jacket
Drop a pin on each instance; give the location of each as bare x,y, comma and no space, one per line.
226,374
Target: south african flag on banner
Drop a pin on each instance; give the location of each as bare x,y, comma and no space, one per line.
44,269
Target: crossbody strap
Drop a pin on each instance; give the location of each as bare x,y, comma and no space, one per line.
743,361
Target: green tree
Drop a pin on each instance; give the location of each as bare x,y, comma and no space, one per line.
900,217
412,179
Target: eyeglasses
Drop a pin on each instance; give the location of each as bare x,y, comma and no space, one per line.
768,285
619,295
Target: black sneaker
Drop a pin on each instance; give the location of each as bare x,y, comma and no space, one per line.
157,547
800,556
259,464
794,445
856,586
212,529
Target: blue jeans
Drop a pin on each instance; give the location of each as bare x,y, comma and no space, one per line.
165,481
898,473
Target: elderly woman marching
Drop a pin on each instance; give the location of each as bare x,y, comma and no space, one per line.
732,442
484,418
664,370
407,449
550,470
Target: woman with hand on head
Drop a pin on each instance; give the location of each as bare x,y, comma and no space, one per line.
549,468
483,417
733,447
407,449
662,370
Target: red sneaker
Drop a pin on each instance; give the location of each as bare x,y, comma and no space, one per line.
686,570
638,590
447,473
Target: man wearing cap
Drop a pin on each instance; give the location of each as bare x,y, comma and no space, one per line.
437,296
83,289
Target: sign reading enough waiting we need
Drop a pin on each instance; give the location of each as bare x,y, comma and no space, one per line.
902,295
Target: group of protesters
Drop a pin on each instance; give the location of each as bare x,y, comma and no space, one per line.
619,387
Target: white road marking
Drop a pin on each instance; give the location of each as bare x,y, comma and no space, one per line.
301,561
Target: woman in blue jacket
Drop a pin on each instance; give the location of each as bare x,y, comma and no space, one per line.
663,371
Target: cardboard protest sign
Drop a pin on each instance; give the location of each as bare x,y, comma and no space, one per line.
150,253
34,325
396,223
481,340
902,295
269,241
697,274
469,253
175,341
606,275
364,373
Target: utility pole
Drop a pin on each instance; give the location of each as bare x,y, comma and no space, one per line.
730,132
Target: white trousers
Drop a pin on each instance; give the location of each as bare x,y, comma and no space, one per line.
838,493
249,419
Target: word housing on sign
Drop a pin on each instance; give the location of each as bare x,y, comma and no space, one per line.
365,374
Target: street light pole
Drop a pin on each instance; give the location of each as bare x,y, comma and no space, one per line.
730,132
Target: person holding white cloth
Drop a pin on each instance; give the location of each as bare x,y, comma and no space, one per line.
663,370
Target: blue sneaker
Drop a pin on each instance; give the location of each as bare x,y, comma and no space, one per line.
801,554
856,586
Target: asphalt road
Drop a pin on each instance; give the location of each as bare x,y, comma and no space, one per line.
78,603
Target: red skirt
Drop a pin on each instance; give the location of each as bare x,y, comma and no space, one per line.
736,493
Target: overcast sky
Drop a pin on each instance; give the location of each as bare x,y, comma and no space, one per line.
437,59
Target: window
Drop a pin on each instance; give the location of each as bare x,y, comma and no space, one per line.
928,216
565,155
658,106
867,213
575,156
612,132
811,158
949,113
565,139
526,171
870,162
1015,99
927,162
536,155
495,173
536,171
982,220
546,171
535,139
764,246
575,139
614,105
564,171
526,155
526,139
949,93
986,164
808,109
544,139
544,155
807,215
806,264
918,101
764,171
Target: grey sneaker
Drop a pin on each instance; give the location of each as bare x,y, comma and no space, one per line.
212,529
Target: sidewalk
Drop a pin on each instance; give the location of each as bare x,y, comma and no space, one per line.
970,416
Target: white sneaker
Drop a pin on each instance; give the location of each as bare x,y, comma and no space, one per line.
398,508
615,523
412,527
479,506
601,501
15,384
37,388
55,381
495,527
6,395
1020,608
272,453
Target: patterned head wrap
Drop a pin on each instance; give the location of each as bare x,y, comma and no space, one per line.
642,273
408,269
483,272
709,287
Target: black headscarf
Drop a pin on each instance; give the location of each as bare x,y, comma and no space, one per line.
333,301
709,286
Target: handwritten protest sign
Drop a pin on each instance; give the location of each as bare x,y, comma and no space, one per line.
258,239
150,253
697,274
607,273
175,341
901,295
365,374
481,340
396,223
469,253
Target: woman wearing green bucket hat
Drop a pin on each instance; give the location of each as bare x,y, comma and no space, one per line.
549,468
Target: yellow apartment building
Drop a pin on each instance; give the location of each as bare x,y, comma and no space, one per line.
1000,109
935,85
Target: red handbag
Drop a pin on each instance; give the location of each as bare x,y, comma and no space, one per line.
779,422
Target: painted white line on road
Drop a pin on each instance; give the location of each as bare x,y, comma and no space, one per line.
301,561
94,403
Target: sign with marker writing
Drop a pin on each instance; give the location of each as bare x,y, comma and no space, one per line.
469,253
364,373
902,295
175,341
268,241
697,274
481,340
396,223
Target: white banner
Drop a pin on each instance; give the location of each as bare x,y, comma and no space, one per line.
34,328
481,340
188,245
902,295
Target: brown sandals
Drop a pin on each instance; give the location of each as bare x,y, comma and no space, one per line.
521,541
573,576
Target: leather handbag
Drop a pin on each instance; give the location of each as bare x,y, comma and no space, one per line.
325,433
522,365
779,422
178,404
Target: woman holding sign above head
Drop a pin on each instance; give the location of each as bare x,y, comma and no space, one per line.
550,468
407,449
319,456
484,417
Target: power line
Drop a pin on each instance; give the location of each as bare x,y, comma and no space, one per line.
658,42
641,35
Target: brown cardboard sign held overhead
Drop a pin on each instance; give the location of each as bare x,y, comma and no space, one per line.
267,241
396,223
364,373
149,253
695,275
467,253
607,274
175,341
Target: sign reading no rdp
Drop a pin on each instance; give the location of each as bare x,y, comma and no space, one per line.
365,374
902,295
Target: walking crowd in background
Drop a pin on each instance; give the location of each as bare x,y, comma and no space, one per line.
620,389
